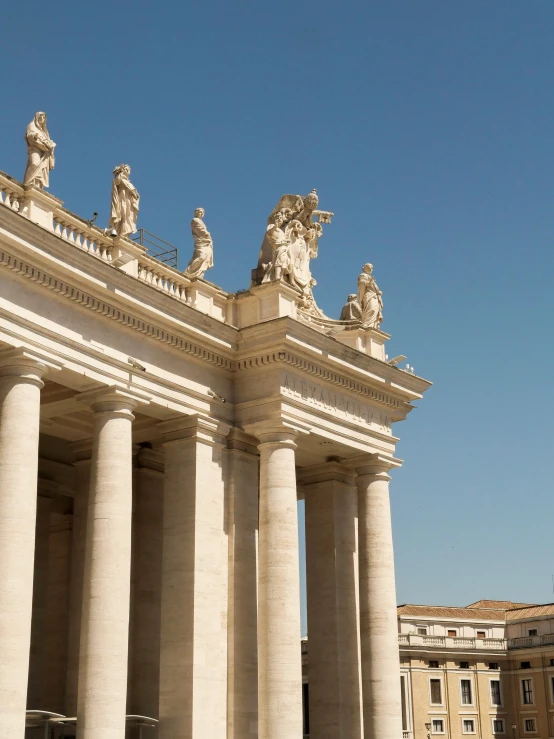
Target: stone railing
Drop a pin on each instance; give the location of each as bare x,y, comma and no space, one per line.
406,735
450,642
11,192
83,235
163,278
524,642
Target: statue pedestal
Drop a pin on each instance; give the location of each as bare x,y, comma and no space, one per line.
266,302
39,206
367,340
125,255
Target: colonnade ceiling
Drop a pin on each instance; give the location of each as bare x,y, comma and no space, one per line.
62,415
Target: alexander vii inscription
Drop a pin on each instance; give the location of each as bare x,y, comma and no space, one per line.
335,403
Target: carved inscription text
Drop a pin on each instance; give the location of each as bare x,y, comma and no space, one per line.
340,406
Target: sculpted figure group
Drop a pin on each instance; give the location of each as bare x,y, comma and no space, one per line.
365,307
290,241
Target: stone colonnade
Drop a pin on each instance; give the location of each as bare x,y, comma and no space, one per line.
215,641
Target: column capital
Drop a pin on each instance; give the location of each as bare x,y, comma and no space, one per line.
373,465
27,365
113,399
326,472
198,428
277,432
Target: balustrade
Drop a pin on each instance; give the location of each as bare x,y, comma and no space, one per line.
11,193
163,278
83,235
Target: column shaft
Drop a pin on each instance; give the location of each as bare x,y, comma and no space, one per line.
105,616
280,667
147,591
78,547
193,654
382,708
242,688
19,433
332,588
35,685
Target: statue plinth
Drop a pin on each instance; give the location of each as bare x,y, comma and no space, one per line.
266,302
39,206
125,255
367,340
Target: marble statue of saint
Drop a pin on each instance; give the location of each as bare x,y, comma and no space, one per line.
203,255
280,264
40,152
370,298
125,203
351,310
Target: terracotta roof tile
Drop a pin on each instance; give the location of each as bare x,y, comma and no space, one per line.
488,614
530,611
502,604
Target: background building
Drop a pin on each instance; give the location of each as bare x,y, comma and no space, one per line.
485,670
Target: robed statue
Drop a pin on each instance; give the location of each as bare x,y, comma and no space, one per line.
125,203
40,152
203,255
370,298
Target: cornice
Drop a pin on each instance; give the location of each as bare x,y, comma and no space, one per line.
316,370
126,318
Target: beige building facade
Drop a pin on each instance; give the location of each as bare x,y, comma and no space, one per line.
485,671
156,434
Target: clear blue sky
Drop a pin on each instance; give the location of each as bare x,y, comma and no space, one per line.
428,128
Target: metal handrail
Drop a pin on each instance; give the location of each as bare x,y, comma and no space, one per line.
154,247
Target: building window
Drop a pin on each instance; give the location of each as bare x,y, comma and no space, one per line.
305,708
525,665
404,707
496,698
533,632
552,689
468,726
527,692
422,630
465,691
434,664
498,726
464,665
529,724
436,692
437,726
552,663
493,665
481,634
452,632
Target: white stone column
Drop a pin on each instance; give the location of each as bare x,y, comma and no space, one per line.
279,655
20,383
242,674
57,612
102,690
146,599
36,682
78,545
193,654
331,515
382,707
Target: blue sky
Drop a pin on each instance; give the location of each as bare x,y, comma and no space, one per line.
427,127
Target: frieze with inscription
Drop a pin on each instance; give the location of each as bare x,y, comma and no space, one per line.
339,405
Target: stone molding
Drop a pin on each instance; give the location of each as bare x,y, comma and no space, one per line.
373,465
20,362
239,441
326,472
196,428
149,460
310,367
77,295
